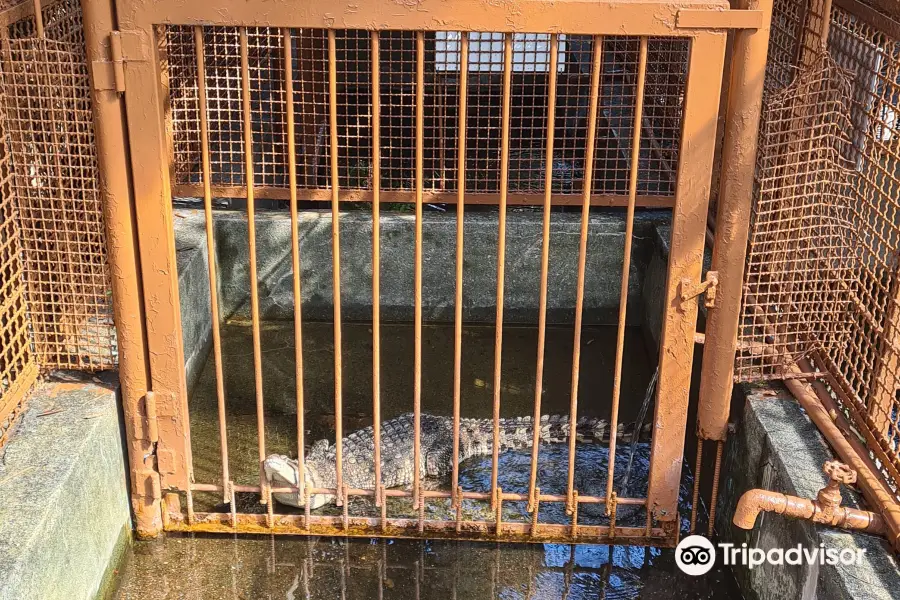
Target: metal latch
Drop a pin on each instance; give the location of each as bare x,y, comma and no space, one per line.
124,46
690,290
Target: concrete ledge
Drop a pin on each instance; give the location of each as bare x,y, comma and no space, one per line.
605,249
777,447
194,297
64,512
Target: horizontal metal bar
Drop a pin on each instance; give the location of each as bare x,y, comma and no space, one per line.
574,17
434,494
879,19
409,196
697,18
409,529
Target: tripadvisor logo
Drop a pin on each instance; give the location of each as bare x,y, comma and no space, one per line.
696,555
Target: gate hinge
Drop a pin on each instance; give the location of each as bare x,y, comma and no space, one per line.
690,290
124,46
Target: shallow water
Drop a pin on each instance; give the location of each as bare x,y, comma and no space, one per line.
269,568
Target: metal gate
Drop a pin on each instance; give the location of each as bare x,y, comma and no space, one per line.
155,43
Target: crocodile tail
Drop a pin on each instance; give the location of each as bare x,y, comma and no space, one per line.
516,433
554,429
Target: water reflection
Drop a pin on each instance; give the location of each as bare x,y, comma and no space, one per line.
306,568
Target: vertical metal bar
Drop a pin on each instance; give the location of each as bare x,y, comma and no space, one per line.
460,226
596,68
251,240
417,377
336,263
701,99
733,221
295,251
38,19
696,496
159,273
211,255
626,264
376,260
714,496
501,257
545,265
124,262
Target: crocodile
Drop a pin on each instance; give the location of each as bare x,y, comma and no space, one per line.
436,455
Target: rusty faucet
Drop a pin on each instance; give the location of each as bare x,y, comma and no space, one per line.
826,508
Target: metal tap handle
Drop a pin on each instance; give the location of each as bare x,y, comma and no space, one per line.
839,472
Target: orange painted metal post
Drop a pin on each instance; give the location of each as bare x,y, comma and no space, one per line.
633,176
144,110
701,105
376,262
249,178
501,259
211,256
295,250
460,226
124,266
545,265
417,325
336,264
596,68
748,69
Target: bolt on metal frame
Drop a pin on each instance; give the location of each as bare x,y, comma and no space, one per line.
136,65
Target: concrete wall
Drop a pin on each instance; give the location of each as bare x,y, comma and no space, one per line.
193,292
777,447
605,249
64,509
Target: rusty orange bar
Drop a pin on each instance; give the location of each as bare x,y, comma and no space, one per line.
38,19
366,527
739,146
714,496
696,494
251,240
460,226
501,258
336,264
211,252
264,192
417,359
596,68
626,262
430,494
376,260
124,260
701,99
545,263
295,247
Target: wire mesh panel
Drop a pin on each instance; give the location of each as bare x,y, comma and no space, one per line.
798,260
17,362
528,126
866,363
822,274
53,158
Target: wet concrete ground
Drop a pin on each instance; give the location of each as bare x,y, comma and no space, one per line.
244,568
